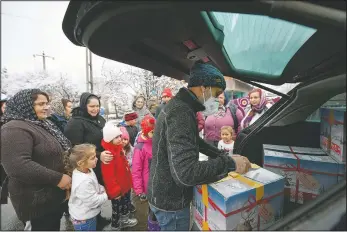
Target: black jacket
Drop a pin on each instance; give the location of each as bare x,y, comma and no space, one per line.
159,109
59,121
132,131
175,167
82,128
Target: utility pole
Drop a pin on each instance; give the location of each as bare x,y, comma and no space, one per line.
89,71
44,59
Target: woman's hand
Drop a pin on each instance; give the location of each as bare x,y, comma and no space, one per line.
242,164
65,182
106,157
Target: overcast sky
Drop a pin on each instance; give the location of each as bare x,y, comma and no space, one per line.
32,27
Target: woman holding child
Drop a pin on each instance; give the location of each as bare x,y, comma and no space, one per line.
85,126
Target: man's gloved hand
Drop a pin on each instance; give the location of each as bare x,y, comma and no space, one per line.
242,164
143,197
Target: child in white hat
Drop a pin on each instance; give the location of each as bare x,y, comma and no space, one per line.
117,178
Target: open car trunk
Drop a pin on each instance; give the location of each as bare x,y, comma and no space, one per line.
278,42
167,37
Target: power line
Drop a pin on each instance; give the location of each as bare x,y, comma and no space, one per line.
44,59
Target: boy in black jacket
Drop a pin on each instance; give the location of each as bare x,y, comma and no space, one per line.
130,125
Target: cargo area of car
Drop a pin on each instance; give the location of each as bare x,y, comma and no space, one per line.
301,128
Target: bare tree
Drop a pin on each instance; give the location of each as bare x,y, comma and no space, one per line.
61,88
120,86
56,87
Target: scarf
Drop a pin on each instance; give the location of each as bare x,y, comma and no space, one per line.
114,149
221,112
256,109
20,107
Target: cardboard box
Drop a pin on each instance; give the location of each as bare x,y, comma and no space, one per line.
338,135
253,201
325,130
308,172
333,132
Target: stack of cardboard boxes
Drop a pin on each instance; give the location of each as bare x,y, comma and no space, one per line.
255,200
308,171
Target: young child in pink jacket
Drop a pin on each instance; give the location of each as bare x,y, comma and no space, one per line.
141,164
142,157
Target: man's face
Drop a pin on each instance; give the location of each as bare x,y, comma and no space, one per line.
209,92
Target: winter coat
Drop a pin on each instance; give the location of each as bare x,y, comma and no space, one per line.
159,108
256,115
33,161
141,164
213,125
130,155
116,174
201,121
59,121
141,113
82,128
132,131
175,167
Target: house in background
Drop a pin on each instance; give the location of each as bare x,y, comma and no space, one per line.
236,89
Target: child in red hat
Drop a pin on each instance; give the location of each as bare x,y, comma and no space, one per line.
165,97
130,119
141,162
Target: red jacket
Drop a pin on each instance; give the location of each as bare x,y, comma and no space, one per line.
116,174
201,121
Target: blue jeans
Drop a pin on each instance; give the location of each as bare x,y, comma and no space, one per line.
85,225
173,220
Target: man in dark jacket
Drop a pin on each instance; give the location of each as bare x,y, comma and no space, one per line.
175,167
165,97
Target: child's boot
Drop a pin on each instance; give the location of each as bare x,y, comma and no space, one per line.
125,221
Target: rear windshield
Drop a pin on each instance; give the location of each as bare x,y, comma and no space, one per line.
260,44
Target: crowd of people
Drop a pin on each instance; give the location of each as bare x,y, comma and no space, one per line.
58,160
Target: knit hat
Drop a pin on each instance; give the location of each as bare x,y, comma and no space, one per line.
166,93
111,131
125,134
203,74
147,124
131,115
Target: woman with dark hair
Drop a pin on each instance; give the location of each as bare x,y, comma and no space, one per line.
85,126
31,150
61,111
223,117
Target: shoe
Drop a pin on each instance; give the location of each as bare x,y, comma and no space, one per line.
131,222
132,208
116,228
125,221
